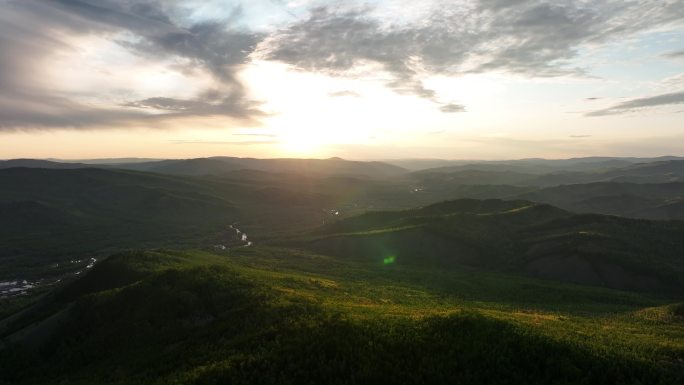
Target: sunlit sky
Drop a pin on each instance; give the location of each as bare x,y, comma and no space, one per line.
470,79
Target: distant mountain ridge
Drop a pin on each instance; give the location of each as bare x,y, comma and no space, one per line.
530,165
223,165
523,172
37,163
105,160
647,172
652,190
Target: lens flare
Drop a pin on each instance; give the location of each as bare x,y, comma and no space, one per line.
389,260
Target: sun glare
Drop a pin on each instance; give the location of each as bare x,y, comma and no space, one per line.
301,142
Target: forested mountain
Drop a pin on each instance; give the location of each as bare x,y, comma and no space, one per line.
517,236
636,200
265,315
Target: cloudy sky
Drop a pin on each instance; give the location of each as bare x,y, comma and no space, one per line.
468,79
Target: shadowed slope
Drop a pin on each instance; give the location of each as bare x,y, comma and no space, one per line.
529,238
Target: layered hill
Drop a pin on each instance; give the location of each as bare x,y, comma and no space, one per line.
530,166
75,212
664,171
517,236
654,172
661,201
530,172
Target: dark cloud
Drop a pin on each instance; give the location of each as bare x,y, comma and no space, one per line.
29,32
450,108
158,27
32,30
29,110
343,93
674,55
336,43
636,104
170,107
533,38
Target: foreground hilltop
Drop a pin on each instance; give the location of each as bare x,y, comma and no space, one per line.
279,316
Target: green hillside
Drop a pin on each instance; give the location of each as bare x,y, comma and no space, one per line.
517,236
265,315
51,215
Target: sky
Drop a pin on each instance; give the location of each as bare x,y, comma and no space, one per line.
468,79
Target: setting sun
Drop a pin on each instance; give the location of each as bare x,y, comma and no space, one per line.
301,143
